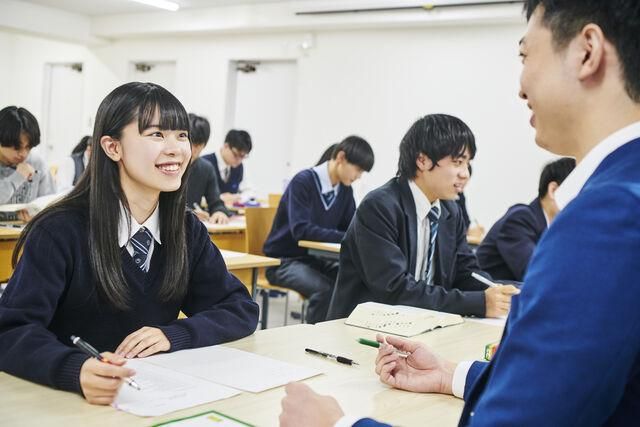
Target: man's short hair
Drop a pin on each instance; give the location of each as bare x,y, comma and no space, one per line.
240,140
199,129
555,171
13,122
437,136
357,151
618,19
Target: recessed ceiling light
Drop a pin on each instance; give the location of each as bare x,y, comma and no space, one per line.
162,4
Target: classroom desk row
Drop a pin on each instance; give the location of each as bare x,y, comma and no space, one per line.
357,388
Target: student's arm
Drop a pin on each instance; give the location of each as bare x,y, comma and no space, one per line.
516,241
46,185
572,352
383,265
299,211
9,185
212,194
27,307
218,306
347,217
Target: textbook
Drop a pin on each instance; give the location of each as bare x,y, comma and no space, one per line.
34,206
400,320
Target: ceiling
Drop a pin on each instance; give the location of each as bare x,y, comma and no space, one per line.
110,7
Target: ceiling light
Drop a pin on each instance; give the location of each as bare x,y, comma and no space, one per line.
162,4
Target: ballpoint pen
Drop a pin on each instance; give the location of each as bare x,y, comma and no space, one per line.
338,359
91,351
484,280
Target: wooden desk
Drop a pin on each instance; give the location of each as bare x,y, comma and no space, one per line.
245,267
232,236
321,249
357,388
8,240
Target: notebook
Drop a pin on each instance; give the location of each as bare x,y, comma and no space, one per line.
400,319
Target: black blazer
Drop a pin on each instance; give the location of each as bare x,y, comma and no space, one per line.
507,248
378,258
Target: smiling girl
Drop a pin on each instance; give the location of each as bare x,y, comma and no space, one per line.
118,258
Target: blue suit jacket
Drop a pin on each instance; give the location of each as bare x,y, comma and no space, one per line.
570,354
507,248
378,258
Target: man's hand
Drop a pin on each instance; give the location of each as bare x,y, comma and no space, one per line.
143,342
202,215
26,170
219,218
101,381
230,198
418,369
498,300
303,407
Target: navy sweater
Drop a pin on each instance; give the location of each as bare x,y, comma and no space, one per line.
235,175
301,216
52,295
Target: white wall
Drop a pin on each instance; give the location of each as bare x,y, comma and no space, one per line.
374,83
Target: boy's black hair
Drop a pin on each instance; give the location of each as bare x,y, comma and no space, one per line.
14,121
240,140
618,19
357,151
437,136
555,171
199,129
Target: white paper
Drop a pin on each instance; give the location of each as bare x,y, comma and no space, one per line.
163,391
234,368
498,321
231,254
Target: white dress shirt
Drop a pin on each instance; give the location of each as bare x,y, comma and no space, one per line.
565,193
423,206
124,233
322,171
245,186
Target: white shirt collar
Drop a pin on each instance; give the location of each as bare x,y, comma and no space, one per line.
152,224
572,185
221,164
422,203
322,170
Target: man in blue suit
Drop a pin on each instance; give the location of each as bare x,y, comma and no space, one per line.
507,248
570,353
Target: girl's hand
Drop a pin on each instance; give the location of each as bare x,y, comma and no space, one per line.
101,381
143,342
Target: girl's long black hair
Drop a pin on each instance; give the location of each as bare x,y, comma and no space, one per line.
99,191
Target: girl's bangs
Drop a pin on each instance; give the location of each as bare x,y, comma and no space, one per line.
172,114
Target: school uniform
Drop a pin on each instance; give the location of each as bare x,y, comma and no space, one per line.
203,183
15,188
229,179
310,209
402,249
53,294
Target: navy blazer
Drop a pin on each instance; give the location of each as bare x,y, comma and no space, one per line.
570,354
378,258
507,248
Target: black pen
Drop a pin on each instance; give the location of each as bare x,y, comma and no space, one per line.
338,359
91,351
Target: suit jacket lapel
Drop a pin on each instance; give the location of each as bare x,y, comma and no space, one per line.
409,208
541,220
445,241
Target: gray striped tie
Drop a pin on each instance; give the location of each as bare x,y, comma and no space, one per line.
433,215
141,242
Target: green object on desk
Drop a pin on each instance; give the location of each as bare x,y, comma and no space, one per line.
209,418
370,343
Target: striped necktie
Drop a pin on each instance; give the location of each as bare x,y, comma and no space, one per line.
433,215
141,242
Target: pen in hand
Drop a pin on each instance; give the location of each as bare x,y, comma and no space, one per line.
91,351
484,280
338,359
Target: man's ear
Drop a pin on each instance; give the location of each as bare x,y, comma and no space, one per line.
591,51
341,157
423,162
551,190
111,147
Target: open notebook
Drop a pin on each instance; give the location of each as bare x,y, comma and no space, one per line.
35,205
400,319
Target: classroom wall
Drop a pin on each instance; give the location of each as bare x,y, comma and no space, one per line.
374,83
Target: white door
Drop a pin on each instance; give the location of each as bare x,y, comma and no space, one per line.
63,127
264,105
161,73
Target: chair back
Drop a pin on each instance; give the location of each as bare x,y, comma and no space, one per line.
259,222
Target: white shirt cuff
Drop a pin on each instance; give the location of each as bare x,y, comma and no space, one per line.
347,421
460,378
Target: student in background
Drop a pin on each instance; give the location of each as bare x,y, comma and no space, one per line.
570,353
326,155
71,169
506,250
229,168
24,176
461,201
317,205
202,181
118,258
407,243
